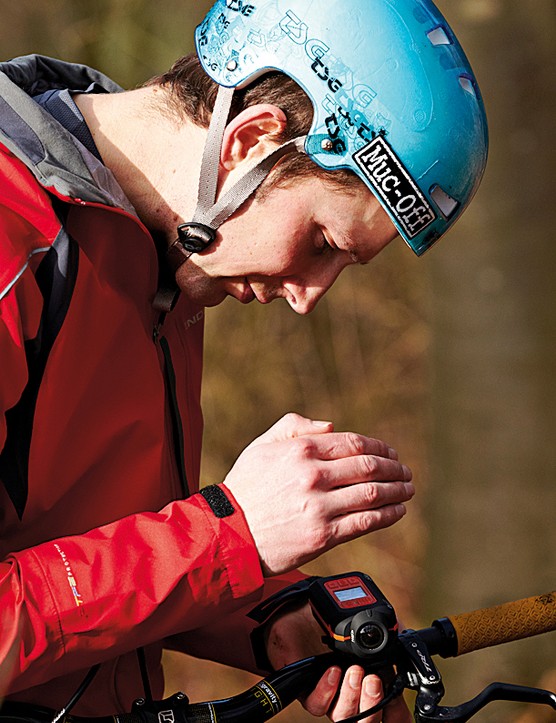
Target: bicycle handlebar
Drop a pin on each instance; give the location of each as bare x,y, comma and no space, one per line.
504,623
409,652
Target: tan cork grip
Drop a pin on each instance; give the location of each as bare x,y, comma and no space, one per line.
504,623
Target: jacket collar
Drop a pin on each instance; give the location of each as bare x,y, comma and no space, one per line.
57,159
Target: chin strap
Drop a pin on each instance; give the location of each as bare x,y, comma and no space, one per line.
200,232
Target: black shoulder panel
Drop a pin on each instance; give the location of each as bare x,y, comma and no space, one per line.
56,278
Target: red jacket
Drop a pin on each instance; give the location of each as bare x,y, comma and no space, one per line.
106,557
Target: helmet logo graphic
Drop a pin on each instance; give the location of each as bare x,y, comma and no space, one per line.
241,7
397,189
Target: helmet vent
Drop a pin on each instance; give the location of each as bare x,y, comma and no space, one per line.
439,36
445,203
467,84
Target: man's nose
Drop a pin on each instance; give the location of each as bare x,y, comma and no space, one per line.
304,302
304,294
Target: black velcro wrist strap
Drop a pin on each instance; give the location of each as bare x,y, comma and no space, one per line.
258,645
297,594
217,501
290,596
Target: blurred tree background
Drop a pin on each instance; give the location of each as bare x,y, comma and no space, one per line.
449,358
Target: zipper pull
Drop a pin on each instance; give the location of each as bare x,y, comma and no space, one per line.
157,328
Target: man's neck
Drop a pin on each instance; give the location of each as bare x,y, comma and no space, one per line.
154,156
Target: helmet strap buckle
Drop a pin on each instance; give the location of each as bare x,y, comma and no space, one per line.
193,238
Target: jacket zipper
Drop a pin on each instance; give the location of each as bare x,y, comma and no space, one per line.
177,427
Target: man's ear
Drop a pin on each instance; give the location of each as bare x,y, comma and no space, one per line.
251,134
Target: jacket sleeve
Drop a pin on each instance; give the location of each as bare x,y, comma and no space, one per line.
72,602
227,639
75,601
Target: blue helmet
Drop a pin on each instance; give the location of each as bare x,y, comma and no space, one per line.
395,99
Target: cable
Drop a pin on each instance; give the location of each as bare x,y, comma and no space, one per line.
87,680
396,690
144,674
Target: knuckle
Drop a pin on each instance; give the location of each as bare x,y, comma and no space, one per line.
358,526
303,447
367,522
379,519
291,418
288,424
371,466
317,531
308,481
305,484
372,495
356,443
320,538
381,447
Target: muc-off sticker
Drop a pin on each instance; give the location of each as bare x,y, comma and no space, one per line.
393,183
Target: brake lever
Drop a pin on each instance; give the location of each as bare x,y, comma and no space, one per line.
428,712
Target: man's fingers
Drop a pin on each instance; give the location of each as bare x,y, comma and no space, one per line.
292,425
319,701
357,524
347,703
369,496
371,694
360,693
357,693
339,445
315,490
354,696
366,468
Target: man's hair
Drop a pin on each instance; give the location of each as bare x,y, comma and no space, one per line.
193,94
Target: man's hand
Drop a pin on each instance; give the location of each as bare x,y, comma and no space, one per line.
358,692
295,635
305,489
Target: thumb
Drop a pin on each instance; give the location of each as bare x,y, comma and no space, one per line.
292,425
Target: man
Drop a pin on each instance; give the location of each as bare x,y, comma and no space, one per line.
107,547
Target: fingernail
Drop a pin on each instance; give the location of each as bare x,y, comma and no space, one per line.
334,675
372,686
355,677
410,488
407,473
321,424
400,510
392,454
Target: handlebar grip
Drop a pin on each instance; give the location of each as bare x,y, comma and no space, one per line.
504,623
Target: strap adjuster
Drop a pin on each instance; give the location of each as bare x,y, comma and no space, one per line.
193,238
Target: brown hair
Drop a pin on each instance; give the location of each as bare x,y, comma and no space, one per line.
193,94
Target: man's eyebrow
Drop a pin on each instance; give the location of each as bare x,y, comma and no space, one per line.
348,244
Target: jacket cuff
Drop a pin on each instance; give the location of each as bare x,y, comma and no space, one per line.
237,547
